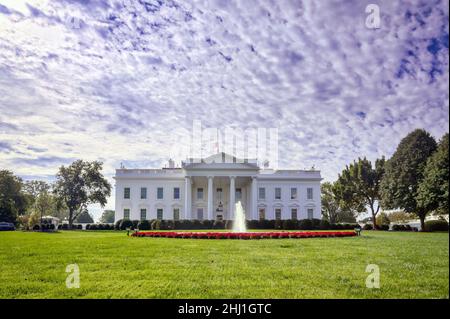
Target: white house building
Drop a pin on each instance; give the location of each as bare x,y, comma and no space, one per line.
203,189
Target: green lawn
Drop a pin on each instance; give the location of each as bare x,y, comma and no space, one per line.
112,265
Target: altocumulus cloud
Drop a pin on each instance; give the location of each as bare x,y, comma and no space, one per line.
116,80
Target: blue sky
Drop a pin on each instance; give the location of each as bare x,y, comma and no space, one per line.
116,80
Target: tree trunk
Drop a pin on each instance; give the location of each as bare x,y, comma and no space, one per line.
422,222
374,219
70,218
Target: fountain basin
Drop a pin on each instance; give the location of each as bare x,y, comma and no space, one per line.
244,235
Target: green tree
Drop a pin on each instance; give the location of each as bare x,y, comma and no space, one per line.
433,189
84,217
360,186
35,187
79,185
107,216
12,200
32,189
404,173
333,208
383,219
44,204
400,217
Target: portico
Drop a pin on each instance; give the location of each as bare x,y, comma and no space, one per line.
211,195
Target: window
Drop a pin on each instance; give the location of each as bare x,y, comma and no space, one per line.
310,213
238,194
278,213
176,193
294,213
277,193
262,193
126,193
199,193
143,192
159,213
176,214
143,214
126,213
200,213
262,214
160,193
293,193
309,194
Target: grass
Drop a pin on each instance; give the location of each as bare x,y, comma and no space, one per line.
112,265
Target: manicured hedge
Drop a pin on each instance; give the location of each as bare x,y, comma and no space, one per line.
99,227
249,235
403,228
436,225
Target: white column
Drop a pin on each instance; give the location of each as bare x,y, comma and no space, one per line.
254,205
187,198
232,203
210,197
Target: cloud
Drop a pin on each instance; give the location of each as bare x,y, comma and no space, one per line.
117,80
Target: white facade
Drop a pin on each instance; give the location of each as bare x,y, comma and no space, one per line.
204,189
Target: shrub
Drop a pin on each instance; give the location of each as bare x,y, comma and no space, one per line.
65,226
269,224
383,227
316,223
135,223
117,224
36,227
165,225
325,224
156,224
278,224
125,223
305,224
368,227
218,224
290,224
144,225
436,225
228,224
170,224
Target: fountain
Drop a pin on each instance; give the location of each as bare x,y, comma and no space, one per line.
239,225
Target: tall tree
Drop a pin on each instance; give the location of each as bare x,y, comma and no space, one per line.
333,208
360,185
107,216
35,187
81,184
404,173
44,204
433,189
32,190
12,200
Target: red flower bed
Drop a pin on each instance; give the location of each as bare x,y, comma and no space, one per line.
249,235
